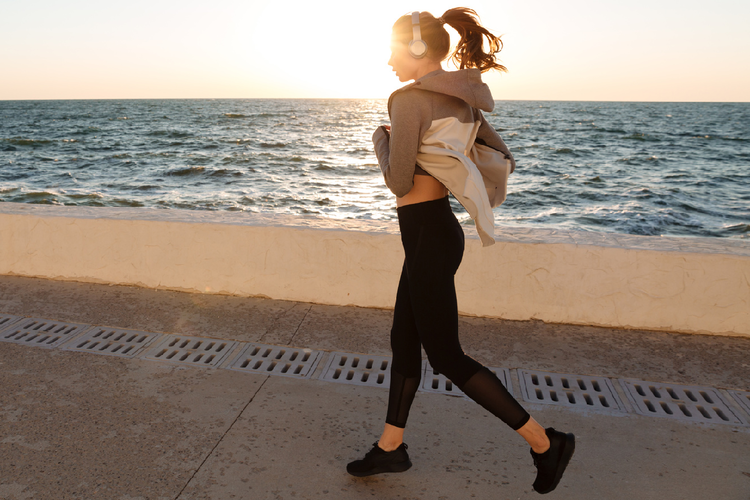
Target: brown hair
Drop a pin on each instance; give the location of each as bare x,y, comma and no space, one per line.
469,52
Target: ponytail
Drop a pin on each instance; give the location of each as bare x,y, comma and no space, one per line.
469,52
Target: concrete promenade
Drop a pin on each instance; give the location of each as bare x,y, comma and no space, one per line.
85,426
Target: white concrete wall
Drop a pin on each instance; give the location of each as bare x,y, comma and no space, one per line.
676,284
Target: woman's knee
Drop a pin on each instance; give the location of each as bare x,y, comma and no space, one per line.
445,363
457,367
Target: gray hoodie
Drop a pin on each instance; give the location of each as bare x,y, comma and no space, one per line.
437,125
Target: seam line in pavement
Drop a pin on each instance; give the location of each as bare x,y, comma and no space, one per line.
300,325
221,438
274,323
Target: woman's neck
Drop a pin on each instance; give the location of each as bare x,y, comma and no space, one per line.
427,68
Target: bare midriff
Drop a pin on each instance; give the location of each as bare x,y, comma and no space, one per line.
426,188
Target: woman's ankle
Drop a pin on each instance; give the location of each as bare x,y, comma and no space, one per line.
388,445
535,435
391,438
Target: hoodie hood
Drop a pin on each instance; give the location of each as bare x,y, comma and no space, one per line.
465,84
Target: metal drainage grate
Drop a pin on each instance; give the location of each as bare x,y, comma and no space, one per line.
112,341
6,320
433,381
569,390
358,369
743,398
276,360
681,402
194,351
41,332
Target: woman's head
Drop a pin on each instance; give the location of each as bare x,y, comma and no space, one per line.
469,52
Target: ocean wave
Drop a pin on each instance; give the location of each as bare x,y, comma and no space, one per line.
566,151
174,134
235,115
85,196
121,202
743,229
641,137
87,131
182,172
272,145
37,195
268,115
20,141
223,172
594,180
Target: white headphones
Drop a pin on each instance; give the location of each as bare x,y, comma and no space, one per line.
417,47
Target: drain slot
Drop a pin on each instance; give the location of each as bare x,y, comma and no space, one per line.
358,369
195,351
276,360
112,341
569,390
680,402
41,332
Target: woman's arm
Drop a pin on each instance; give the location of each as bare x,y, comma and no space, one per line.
397,151
488,136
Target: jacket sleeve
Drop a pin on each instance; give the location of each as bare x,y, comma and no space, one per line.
397,152
488,136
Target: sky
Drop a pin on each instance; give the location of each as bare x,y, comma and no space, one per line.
588,50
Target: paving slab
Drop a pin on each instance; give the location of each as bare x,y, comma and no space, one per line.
77,425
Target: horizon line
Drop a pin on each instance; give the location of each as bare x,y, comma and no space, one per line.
345,99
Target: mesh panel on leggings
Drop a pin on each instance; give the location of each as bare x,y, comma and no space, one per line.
487,390
400,398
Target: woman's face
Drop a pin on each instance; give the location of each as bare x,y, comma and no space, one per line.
402,62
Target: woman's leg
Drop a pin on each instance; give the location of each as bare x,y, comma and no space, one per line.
406,367
389,454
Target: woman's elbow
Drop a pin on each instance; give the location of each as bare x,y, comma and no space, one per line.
400,189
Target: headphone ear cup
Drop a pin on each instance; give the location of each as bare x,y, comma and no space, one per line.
417,49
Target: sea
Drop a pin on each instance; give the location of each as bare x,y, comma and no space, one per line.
643,168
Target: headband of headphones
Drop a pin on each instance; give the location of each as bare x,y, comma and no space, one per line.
417,47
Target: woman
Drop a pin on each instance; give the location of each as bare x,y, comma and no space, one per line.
438,142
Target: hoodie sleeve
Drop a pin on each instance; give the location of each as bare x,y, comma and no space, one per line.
397,152
488,136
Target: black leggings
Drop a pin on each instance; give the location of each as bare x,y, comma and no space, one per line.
426,315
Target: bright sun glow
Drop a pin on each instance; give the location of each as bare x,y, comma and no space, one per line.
340,51
588,50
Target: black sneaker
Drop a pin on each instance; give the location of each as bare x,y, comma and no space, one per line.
377,461
551,464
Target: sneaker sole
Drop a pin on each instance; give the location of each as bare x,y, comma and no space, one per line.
400,467
567,453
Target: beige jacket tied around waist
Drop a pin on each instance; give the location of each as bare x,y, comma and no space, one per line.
437,124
